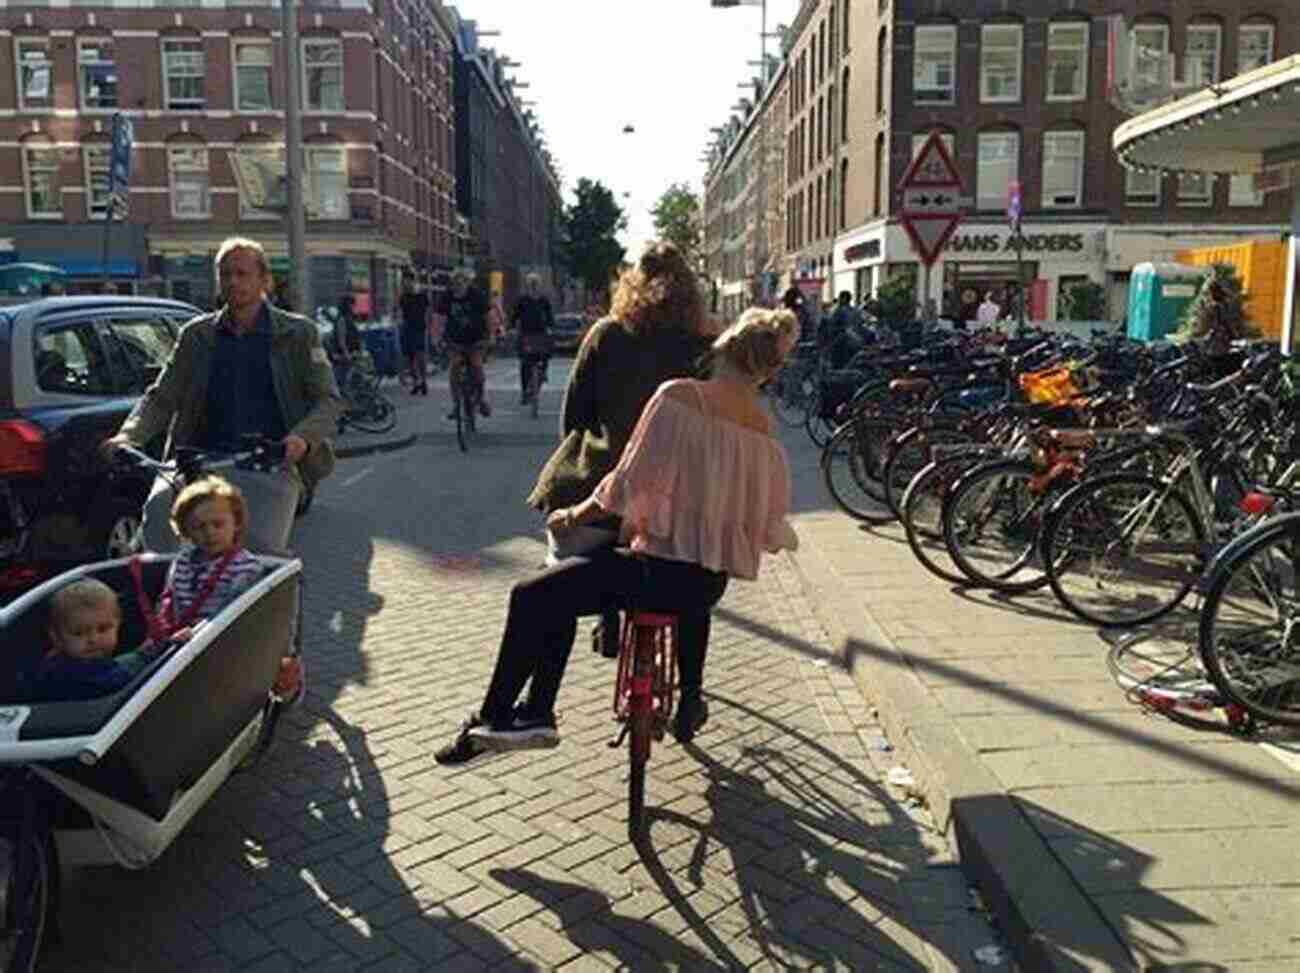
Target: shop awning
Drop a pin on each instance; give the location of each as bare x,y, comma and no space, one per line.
1247,124
94,267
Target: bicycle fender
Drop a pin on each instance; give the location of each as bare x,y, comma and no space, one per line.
1280,524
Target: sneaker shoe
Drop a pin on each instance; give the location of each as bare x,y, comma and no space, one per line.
463,748
692,714
484,409
521,732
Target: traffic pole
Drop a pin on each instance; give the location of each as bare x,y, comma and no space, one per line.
296,217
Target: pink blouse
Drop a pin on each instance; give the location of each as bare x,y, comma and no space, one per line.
696,487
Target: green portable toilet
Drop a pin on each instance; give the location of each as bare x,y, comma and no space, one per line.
1158,294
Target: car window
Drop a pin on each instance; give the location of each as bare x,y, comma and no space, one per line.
138,347
69,358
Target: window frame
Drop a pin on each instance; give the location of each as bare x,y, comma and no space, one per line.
269,67
307,67
83,65
87,331
1081,138
1151,25
20,42
272,150
56,188
170,103
173,170
1053,27
1203,27
1256,27
1236,200
1195,201
1138,199
951,31
311,174
90,150
985,30
998,202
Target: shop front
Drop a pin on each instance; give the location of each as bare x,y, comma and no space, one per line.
860,261
79,250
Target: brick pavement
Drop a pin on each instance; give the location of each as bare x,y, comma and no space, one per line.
1108,839
776,843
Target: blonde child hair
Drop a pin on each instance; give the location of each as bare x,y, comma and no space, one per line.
203,490
82,593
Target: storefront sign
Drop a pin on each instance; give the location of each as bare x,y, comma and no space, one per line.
1006,243
867,250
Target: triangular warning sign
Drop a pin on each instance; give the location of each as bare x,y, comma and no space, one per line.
932,167
929,234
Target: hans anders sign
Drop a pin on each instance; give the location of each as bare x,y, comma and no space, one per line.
990,242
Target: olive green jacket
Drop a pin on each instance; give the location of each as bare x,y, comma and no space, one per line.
613,377
304,387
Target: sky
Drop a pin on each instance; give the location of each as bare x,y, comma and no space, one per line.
670,68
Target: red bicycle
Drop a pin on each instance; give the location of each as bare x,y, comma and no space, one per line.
643,699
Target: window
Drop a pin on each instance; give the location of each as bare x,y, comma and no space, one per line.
41,183
920,138
137,350
882,57
35,89
934,68
1000,62
253,75
1062,169
322,67
845,32
190,182
327,182
844,106
260,170
882,178
1067,61
96,160
1254,46
1242,192
1151,37
183,74
843,194
999,166
1194,189
1141,188
97,73
1201,61
69,359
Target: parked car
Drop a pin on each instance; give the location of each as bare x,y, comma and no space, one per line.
71,369
568,332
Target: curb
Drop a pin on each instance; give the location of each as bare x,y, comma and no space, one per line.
1048,922
386,446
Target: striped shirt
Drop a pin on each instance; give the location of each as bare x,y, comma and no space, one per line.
189,572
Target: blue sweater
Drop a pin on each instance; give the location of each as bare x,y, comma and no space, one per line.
60,678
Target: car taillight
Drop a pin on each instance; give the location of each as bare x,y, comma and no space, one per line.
22,448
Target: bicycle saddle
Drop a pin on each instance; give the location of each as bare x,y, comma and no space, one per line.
909,386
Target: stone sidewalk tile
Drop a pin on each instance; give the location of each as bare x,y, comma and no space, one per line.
1009,709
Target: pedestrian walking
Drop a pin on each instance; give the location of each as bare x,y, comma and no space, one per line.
414,308
532,320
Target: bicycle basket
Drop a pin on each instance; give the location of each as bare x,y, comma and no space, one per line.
1055,386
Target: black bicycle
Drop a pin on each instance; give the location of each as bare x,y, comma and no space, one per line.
365,407
464,396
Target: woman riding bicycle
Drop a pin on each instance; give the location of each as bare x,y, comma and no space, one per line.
463,314
703,489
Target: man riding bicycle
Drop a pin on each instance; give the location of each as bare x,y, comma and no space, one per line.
533,319
463,316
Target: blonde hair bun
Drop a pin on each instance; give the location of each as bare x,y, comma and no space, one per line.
759,341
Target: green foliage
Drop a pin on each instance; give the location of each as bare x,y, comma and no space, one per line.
1234,303
1085,301
895,303
676,217
591,251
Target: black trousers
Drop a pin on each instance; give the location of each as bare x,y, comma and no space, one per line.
543,620
526,362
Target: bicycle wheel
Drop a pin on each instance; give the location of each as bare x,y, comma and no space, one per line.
458,409
27,896
908,454
990,526
922,514
534,389
638,748
1252,604
819,428
843,470
1123,549
377,415
1165,675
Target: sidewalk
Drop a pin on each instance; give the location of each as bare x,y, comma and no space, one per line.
1103,839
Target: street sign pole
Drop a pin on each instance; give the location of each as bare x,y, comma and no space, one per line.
1015,212
932,205
119,181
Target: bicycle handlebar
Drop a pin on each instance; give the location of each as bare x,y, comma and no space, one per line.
259,453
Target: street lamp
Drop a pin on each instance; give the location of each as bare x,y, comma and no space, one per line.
763,34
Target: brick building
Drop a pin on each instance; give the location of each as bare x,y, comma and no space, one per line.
506,186
204,87
1017,90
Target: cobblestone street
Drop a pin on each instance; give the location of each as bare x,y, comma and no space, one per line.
776,843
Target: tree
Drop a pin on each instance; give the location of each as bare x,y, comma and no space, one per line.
677,219
1235,299
590,249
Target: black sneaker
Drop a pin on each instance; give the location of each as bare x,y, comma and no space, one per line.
692,714
521,732
464,748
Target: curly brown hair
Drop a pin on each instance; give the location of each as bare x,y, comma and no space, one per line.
203,490
660,292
